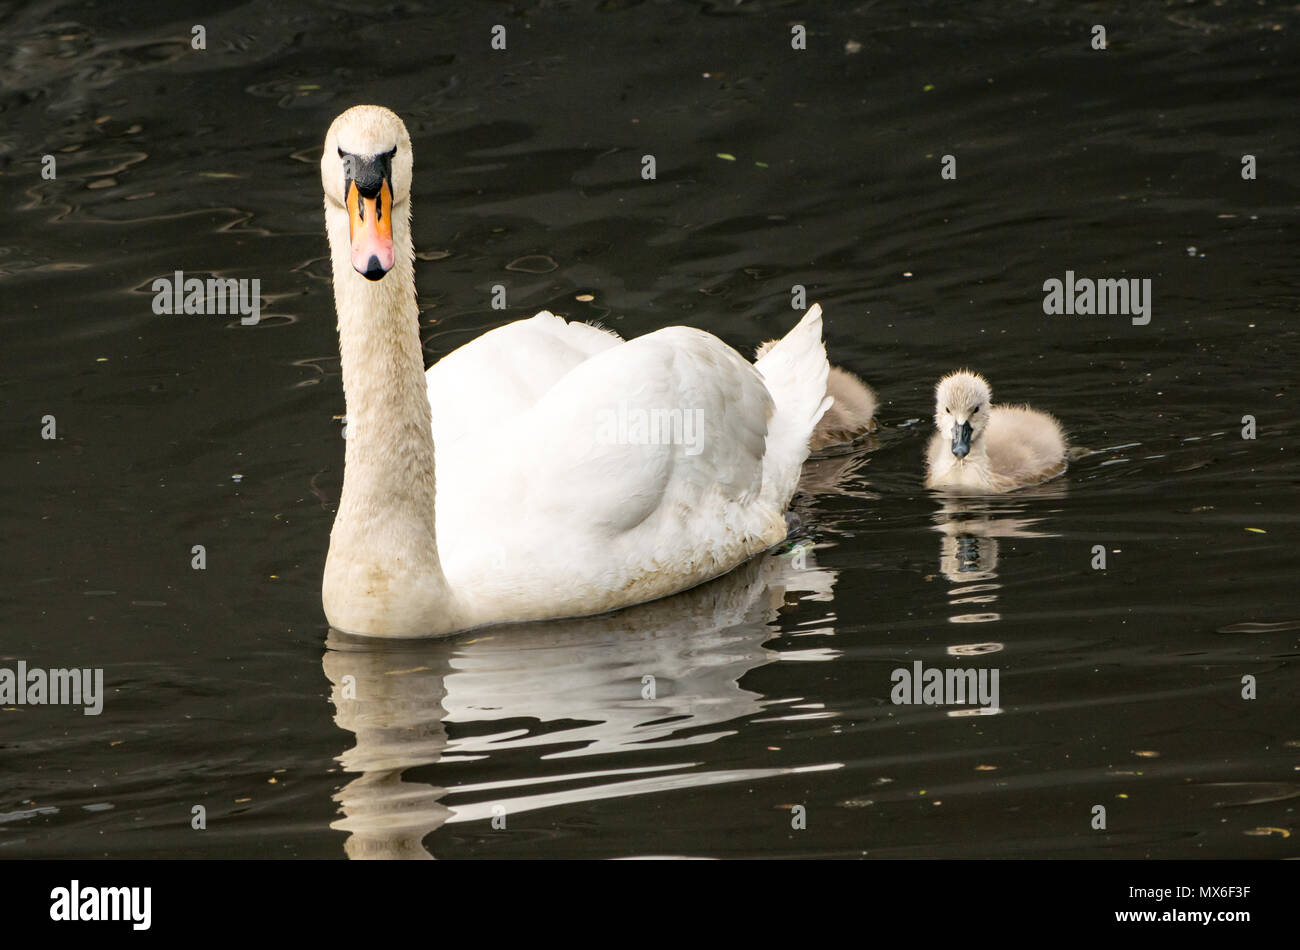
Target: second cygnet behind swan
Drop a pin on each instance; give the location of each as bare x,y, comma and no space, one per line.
991,449
852,413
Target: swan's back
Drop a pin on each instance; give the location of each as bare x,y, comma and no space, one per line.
646,469
485,384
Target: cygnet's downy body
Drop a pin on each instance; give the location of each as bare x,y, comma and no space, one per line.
852,413
982,448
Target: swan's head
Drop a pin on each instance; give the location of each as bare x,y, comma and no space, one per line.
961,409
366,171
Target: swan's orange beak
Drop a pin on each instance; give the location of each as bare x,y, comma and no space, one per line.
370,226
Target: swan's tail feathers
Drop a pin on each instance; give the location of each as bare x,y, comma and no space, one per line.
795,371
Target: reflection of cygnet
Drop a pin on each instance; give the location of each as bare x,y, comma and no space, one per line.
968,557
980,447
851,415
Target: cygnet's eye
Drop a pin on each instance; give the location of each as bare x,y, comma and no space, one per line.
975,410
947,410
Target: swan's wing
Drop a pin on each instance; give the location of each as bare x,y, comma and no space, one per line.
639,473
667,417
485,384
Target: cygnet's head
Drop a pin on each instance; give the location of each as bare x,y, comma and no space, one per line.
961,409
366,172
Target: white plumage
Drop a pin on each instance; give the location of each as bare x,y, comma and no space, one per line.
546,469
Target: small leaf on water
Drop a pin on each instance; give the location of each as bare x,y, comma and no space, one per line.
1268,830
533,264
726,157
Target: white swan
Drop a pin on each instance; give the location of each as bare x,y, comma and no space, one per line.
575,473
980,447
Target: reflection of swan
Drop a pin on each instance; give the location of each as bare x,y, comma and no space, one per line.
985,448
576,473
565,688
835,474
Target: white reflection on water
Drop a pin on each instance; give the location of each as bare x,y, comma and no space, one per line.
968,550
584,680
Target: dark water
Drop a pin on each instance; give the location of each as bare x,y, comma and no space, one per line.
1120,688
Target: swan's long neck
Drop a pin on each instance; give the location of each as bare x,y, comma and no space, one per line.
389,435
383,576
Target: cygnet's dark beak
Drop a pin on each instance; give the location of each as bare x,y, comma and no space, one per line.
961,440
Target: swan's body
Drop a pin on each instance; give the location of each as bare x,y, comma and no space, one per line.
980,447
548,495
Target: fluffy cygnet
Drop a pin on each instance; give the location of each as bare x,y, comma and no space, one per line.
980,447
852,414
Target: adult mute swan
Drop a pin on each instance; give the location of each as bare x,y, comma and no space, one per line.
574,473
980,447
